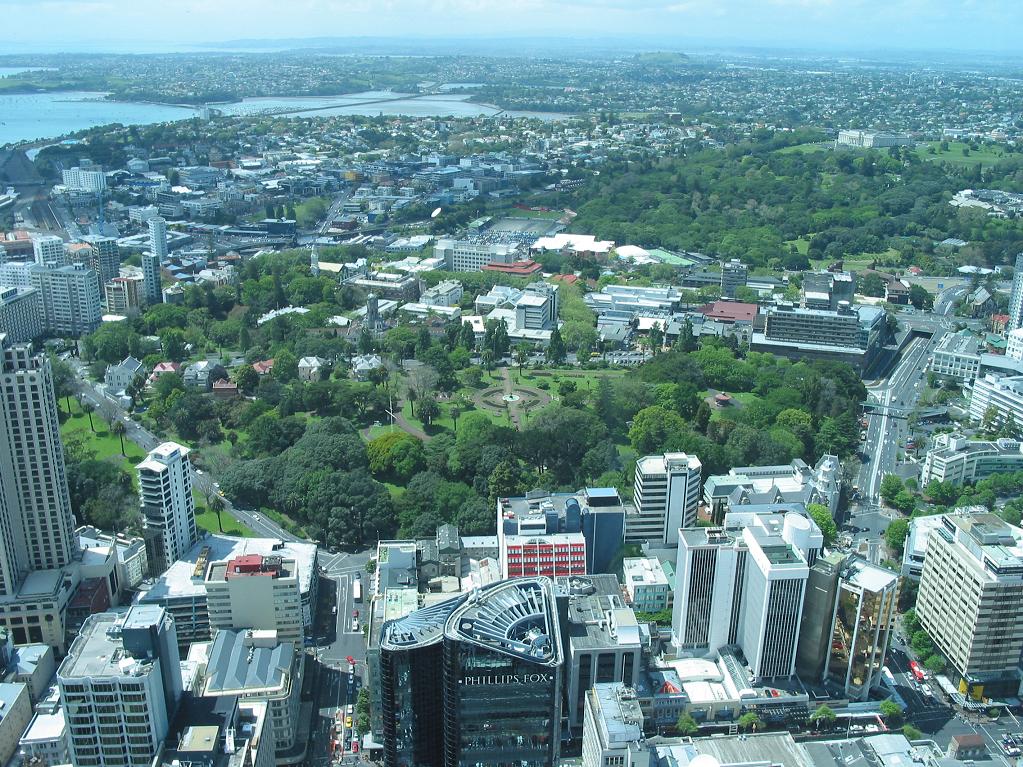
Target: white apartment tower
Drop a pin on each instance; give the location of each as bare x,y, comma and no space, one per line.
158,237
49,251
37,530
1016,297
70,298
744,584
120,686
168,509
971,601
84,179
667,496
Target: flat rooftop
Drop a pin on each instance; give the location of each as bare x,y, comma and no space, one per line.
181,579
98,651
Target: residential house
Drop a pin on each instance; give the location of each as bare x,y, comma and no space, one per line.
309,368
202,374
364,365
120,376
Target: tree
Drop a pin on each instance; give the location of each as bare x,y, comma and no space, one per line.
652,427
750,721
823,717
521,357
119,429
890,710
920,297
891,486
821,514
911,732
285,366
88,408
556,353
686,725
216,504
990,418
896,533
428,409
247,378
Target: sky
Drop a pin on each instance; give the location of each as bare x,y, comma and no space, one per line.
869,25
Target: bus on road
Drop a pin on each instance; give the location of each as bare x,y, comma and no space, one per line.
357,590
918,673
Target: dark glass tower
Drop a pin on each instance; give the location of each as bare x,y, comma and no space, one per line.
475,680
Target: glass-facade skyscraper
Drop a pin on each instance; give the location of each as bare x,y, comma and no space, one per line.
475,680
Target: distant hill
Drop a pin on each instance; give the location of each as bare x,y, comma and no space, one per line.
662,58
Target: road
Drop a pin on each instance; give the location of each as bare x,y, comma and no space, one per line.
204,482
929,711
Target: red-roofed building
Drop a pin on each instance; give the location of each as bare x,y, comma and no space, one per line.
729,311
999,322
518,269
225,389
263,367
162,369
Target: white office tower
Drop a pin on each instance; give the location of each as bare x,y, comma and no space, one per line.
1016,297
744,584
158,237
971,602
120,686
70,298
667,496
35,507
107,259
49,251
168,509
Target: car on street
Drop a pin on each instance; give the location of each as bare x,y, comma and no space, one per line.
355,613
355,624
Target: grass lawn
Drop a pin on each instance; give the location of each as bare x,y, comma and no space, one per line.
802,244
207,520
819,146
396,491
987,155
550,215
104,444
861,261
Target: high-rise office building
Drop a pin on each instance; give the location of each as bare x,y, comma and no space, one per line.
733,276
667,496
495,655
123,295
152,286
21,314
38,531
49,251
120,685
153,260
70,298
1016,297
971,601
168,509
106,260
743,584
848,615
